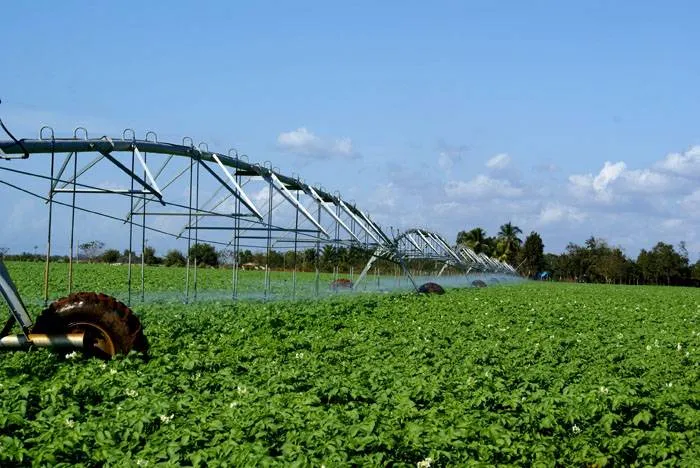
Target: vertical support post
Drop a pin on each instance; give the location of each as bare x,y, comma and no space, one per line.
337,245
351,257
143,237
189,236
236,241
318,251
72,224
407,273
296,239
269,240
196,233
48,235
131,226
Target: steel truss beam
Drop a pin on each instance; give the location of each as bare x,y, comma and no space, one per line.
255,222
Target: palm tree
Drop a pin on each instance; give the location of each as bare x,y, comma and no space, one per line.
509,241
475,240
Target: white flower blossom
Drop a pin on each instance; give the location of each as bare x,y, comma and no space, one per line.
141,462
165,419
241,390
603,390
620,336
425,463
648,347
103,365
669,384
72,355
575,429
113,371
131,393
679,347
70,422
233,404
299,355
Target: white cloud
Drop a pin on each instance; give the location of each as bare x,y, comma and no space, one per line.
608,174
499,162
555,212
690,204
686,164
482,186
304,143
449,155
584,186
646,181
298,140
614,182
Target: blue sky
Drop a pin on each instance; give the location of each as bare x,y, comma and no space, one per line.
568,118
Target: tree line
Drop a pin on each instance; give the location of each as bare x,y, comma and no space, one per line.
593,262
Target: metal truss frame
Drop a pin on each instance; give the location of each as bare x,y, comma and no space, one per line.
344,224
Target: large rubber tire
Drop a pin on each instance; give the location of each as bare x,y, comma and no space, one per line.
341,283
431,288
110,326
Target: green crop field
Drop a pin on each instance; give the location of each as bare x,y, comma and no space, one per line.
530,374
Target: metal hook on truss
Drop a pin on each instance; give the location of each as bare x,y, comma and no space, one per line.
234,151
151,133
41,132
75,132
185,140
133,134
267,165
203,147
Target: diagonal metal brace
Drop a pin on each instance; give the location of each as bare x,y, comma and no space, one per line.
138,179
282,190
332,214
359,222
237,191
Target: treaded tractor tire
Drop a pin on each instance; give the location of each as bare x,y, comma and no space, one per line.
110,326
341,283
431,288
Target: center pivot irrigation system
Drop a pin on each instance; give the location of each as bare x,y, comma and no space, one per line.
189,194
